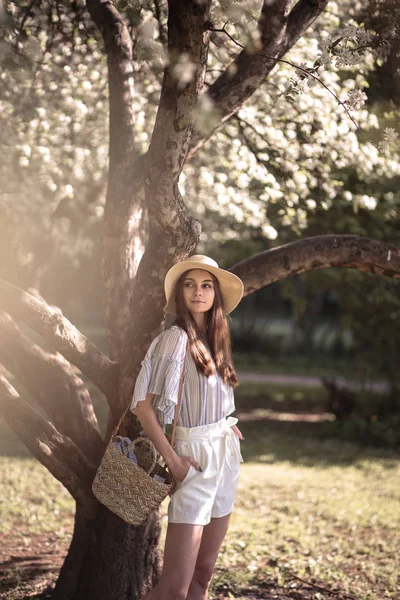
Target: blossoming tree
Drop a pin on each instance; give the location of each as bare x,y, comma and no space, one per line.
147,226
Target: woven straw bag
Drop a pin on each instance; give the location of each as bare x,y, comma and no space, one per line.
128,489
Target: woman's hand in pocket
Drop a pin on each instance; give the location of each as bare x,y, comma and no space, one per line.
181,466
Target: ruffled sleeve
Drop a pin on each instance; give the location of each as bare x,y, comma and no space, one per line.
160,373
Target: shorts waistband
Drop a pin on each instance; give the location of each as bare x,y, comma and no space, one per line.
212,430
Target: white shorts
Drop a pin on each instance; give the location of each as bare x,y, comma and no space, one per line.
209,493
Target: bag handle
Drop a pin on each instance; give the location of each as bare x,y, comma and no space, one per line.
176,408
151,447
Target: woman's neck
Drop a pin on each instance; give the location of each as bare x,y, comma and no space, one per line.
200,321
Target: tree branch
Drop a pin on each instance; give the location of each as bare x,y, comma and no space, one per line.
345,251
302,16
269,165
278,33
118,46
62,335
308,73
161,27
56,452
183,80
124,231
172,232
54,386
319,252
26,14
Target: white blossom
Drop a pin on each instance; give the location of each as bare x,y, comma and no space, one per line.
311,204
347,57
348,32
26,150
365,201
68,191
355,99
391,135
364,37
184,70
389,142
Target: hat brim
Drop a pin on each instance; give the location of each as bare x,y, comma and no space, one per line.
231,286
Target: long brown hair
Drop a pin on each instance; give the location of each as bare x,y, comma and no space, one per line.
217,335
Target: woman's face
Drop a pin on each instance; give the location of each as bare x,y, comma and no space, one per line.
198,291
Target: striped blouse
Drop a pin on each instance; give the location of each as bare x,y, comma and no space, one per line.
204,400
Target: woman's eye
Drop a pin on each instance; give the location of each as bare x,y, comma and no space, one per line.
190,284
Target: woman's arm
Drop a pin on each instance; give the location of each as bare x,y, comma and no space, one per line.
177,465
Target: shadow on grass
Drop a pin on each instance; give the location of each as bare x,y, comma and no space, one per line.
305,443
32,568
271,590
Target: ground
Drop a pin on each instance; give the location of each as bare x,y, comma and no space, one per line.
30,565
316,516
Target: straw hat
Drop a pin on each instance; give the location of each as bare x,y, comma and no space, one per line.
231,286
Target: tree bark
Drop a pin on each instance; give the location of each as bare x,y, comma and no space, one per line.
109,559
319,252
279,31
183,81
53,388
58,453
120,561
125,224
50,323
172,232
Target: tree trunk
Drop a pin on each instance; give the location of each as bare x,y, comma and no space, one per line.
109,559
147,227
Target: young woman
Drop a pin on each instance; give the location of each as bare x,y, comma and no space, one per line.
205,461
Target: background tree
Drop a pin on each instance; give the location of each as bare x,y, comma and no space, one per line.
55,62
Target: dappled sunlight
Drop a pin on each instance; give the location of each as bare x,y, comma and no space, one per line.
267,135
321,510
264,414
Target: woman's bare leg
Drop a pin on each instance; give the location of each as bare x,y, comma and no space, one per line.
182,545
211,541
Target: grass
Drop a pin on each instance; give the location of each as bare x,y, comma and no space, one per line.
31,500
332,525
315,365
279,397
322,509
310,507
